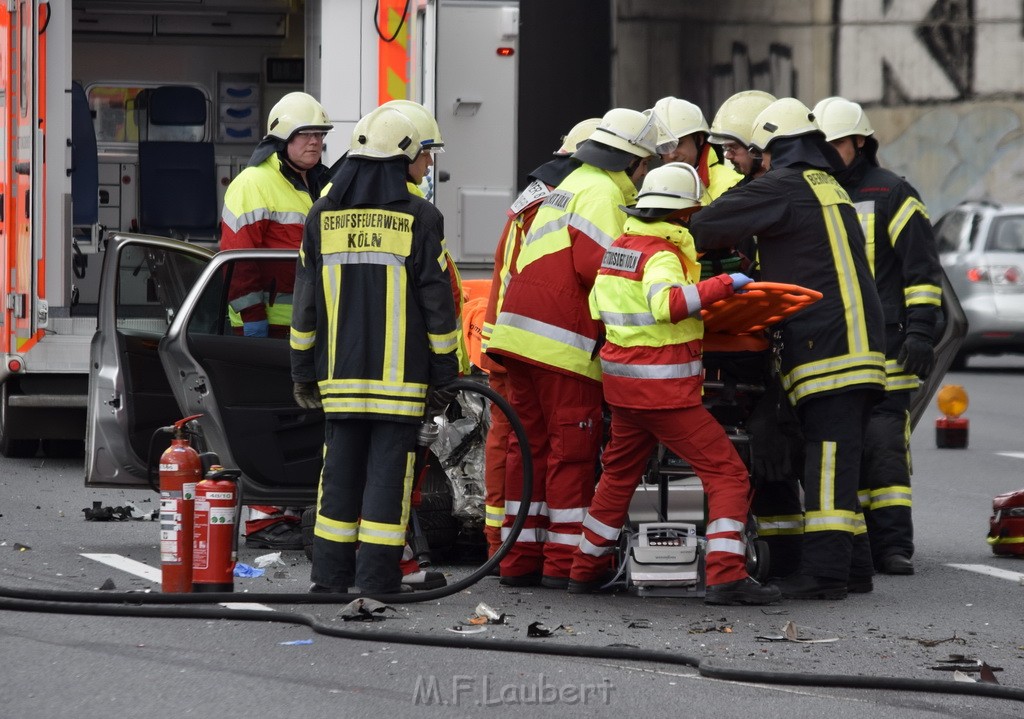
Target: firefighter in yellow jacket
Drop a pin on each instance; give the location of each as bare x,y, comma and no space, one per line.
649,298
373,337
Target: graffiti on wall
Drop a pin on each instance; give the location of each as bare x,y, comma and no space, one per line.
963,60
775,74
915,51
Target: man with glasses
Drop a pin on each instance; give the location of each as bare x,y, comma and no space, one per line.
265,207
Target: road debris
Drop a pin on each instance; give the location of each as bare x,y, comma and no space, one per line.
244,570
791,633
537,629
935,642
460,629
483,614
364,609
296,643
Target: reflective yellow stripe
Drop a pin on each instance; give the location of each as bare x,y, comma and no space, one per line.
1004,540
895,496
392,535
494,515
836,520
334,531
332,279
902,217
780,525
443,344
302,341
917,295
827,478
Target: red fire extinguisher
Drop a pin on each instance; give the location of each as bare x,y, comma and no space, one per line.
214,551
180,470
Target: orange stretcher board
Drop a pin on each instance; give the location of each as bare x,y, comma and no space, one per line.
735,323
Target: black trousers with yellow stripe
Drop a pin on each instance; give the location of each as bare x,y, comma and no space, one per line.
834,427
364,497
885,478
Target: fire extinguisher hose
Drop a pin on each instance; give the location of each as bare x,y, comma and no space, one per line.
132,604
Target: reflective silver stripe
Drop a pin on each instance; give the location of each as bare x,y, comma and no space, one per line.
526,535
252,299
864,498
536,508
601,529
652,371
767,526
363,258
562,516
857,331
628,319
692,297
588,547
571,540
281,298
922,295
659,286
843,521
725,525
570,219
237,222
299,342
731,546
343,535
553,332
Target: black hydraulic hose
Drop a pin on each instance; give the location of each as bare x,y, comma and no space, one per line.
136,604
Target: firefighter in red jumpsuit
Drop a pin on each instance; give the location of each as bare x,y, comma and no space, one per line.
547,341
649,298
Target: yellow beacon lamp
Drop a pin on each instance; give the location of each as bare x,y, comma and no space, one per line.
951,428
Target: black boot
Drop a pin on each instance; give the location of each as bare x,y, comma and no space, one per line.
804,586
742,591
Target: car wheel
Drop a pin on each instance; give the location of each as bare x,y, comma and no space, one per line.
440,528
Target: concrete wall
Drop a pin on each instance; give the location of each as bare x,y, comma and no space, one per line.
942,80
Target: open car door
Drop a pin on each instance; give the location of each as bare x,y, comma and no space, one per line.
242,387
143,283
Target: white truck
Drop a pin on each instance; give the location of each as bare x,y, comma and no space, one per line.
75,81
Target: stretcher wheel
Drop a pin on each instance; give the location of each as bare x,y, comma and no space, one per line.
758,560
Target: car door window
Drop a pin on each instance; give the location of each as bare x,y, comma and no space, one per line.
151,285
1006,234
949,231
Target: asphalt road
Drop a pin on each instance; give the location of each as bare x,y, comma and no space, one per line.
68,664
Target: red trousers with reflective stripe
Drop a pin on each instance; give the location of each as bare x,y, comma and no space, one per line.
694,435
562,417
495,452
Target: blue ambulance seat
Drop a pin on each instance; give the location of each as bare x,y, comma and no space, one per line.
177,169
84,165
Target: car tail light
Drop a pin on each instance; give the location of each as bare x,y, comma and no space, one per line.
996,274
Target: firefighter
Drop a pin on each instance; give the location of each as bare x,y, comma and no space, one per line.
368,278
547,341
686,123
774,435
265,207
831,355
901,249
520,218
649,297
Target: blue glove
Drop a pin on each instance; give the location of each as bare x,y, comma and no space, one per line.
259,328
739,281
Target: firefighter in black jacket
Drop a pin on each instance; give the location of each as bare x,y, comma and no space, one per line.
373,331
907,272
831,360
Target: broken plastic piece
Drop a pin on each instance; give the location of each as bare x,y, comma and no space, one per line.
791,633
364,609
296,643
107,585
18,547
539,630
265,560
460,629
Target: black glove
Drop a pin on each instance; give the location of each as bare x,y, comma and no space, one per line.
916,355
439,398
307,395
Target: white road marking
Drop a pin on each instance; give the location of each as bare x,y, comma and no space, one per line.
152,574
1015,455
991,571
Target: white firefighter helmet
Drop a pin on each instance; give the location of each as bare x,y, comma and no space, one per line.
734,120
666,189
423,119
681,117
580,131
383,134
838,117
787,117
627,130
294,112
